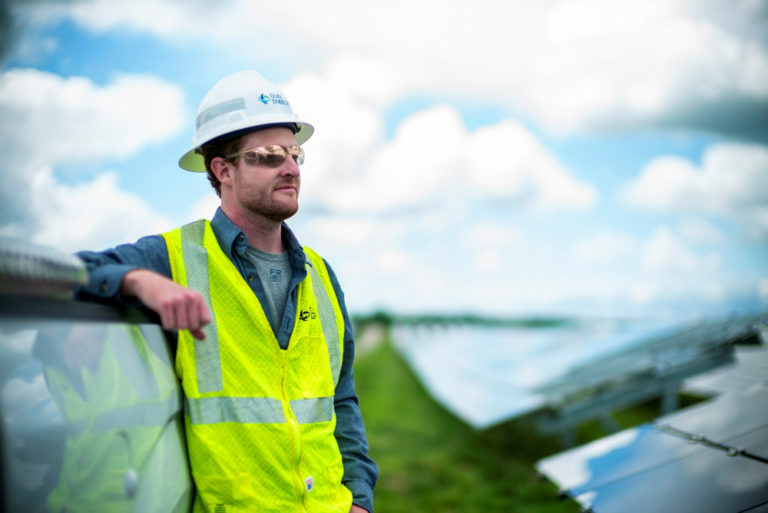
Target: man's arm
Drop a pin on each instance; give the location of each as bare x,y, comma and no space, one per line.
360,471
106,269
141,271
179,308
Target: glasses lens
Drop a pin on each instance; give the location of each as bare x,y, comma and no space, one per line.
273,156
297,152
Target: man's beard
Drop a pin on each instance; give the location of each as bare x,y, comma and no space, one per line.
275,210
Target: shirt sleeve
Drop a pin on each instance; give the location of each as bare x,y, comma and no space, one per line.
360,471
106,269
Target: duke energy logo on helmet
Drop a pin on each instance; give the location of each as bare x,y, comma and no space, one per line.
277,98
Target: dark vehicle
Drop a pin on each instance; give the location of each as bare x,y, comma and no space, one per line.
90,407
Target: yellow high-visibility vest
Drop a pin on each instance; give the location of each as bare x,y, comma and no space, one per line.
259,420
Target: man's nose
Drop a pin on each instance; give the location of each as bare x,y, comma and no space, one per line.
290,167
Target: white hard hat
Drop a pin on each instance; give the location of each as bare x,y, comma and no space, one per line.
237,102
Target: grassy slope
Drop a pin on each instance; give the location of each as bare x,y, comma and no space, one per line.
432,462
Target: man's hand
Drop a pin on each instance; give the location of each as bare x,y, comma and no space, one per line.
179,308
357,509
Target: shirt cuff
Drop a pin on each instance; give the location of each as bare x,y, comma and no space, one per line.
362,494
104,282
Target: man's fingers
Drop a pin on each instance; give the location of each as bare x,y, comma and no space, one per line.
199,334
182,308
167,316
197,311
201,317
193,314
205,315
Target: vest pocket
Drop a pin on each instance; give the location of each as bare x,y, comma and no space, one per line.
340,498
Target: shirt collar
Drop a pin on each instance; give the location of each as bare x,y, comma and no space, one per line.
233,241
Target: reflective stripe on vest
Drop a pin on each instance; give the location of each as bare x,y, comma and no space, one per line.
327,321
196,266
257,410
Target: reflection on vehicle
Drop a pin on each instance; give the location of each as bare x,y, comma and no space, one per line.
90,418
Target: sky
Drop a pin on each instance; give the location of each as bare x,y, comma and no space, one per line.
574,157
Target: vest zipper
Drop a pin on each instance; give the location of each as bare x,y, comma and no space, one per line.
295,433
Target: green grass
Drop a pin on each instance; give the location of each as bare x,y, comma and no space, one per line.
430,461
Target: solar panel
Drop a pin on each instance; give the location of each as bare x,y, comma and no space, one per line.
486,375
646,447
711,457
704,481
751,369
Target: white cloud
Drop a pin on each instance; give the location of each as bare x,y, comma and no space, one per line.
48,121
665,253
159,17
391,261
344,232
490,243
657,294
92,215
495,267
432,158
571,64
620,272
205,207
507,161
347,126
417,166
732,181
699,231
667,183
488,261
491,234
605,248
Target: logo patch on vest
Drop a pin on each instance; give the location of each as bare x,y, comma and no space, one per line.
310,483
308,314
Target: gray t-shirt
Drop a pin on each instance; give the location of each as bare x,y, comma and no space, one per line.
275,274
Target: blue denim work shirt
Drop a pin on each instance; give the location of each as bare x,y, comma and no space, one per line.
107,268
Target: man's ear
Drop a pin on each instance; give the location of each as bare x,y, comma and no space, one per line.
222,169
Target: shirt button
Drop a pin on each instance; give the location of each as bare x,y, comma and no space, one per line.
250,278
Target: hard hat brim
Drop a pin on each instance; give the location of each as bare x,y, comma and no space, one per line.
193,161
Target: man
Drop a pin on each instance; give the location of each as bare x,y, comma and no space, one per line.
265,345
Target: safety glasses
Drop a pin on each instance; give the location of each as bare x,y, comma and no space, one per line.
272,155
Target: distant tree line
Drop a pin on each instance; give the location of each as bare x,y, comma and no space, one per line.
387,319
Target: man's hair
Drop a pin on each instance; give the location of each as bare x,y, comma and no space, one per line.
220,147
